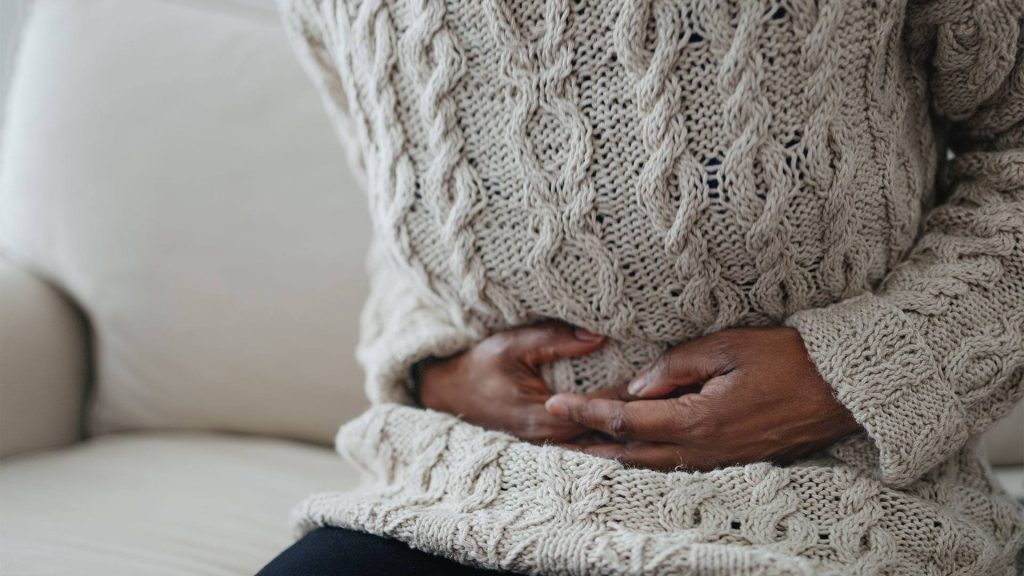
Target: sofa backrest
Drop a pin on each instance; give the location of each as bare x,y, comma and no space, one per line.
169,165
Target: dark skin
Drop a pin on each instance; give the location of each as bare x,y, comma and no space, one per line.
734,397
496,384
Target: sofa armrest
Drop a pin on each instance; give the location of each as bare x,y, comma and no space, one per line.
44,364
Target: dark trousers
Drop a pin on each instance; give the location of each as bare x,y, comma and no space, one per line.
339,552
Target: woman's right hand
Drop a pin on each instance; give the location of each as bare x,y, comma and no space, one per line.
496,384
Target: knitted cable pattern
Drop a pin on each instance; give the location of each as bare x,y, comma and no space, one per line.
654,170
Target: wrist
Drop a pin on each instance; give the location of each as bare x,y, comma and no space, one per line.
423,380
439,381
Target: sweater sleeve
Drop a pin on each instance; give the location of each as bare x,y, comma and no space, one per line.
401,322
936,354
400,326
317,44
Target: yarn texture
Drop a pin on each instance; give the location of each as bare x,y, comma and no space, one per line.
657,170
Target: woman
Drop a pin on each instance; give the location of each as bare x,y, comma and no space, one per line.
775,313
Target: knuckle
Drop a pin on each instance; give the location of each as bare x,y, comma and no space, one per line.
700,429
724,346
498,345
696,421
723,343
543,351
618,426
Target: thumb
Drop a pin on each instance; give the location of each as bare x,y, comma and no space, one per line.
549,340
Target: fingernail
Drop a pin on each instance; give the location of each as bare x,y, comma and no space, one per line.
636,386
556,406
586,335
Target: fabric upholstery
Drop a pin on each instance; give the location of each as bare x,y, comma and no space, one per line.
158,504
44,364
167,164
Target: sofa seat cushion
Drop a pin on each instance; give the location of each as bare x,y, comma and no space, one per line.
171,504
157,504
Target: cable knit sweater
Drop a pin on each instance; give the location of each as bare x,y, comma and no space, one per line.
655,170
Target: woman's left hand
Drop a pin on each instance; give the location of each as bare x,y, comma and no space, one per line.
748,395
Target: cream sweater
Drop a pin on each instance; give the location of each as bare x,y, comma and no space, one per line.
655,170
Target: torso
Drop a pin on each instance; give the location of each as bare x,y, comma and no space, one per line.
649,176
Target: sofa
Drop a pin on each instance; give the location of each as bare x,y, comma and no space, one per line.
182,254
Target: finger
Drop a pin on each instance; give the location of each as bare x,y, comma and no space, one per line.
650,420
653,455
686,364
587,438
613,393
622,393
549,340
538,426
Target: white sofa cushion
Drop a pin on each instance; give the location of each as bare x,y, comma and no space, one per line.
44,355
157,504
170,504
168,163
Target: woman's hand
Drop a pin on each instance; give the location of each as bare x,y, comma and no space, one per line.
748,395
496,384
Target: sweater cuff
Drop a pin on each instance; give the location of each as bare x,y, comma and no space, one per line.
884,372
388,361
